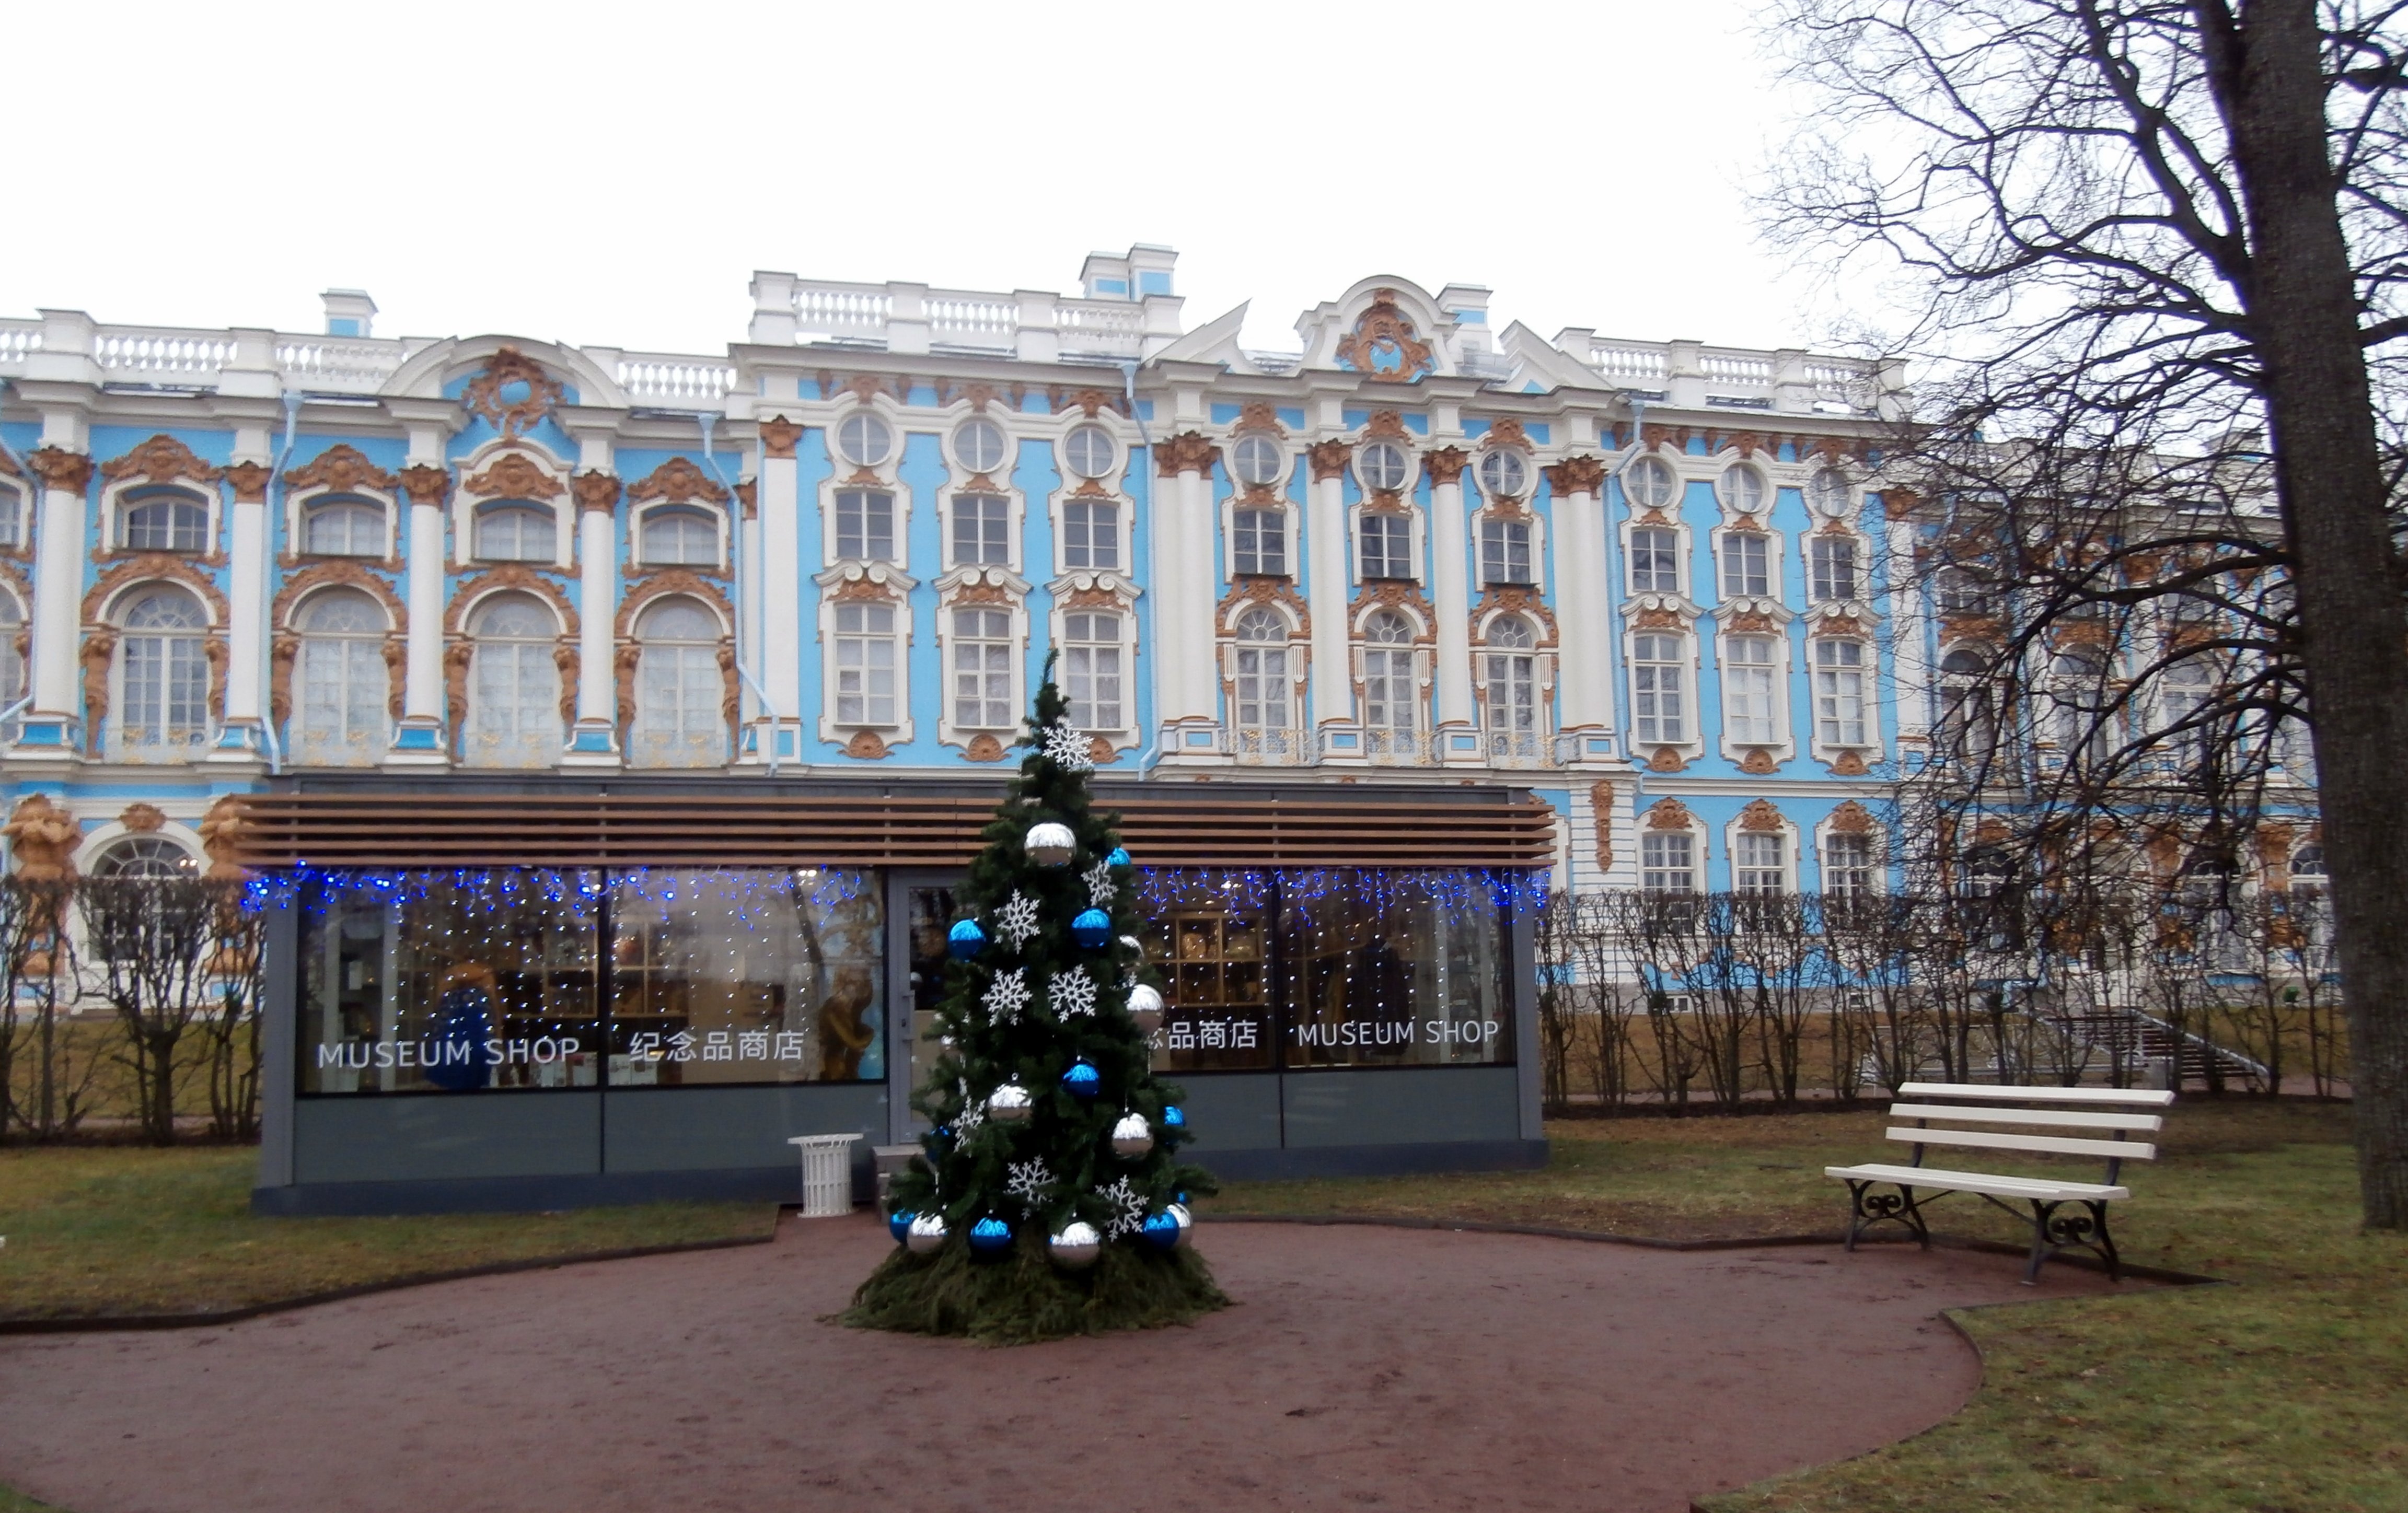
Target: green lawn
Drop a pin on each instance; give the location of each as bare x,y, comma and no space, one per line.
2285,1393
134,1231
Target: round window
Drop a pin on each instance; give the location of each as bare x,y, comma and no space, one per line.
1089,450
1742,489
1648,483
1258,461
1502,473
864,439
1382,465
1828,493
978,445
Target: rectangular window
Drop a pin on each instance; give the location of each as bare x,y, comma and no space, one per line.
1839,692
1090,659
1091,536
1262,544
1667,862
1745,554
1505,552
982,534
1834,559
865,664
1654,562
1387,549
1761,864
1661,711
1847,866
865,525
982,669
1749,692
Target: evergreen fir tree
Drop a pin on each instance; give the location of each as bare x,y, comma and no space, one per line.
1035,1008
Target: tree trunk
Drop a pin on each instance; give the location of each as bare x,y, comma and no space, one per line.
2266,70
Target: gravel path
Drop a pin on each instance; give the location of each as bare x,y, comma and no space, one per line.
1364,1369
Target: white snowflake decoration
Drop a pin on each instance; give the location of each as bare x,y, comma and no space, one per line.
1129,1209
1007,995
1099,878
970,1117
1067,752
1027,1181
1016,921
1073,995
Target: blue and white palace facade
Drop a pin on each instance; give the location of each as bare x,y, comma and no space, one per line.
1640,580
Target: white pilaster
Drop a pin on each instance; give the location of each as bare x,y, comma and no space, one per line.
780,598
1586,659
424,738
1450,582
595,742
1333,678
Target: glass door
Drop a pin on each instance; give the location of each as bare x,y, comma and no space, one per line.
922,902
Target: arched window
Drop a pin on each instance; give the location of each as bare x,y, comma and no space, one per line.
1389,702
164,700
1091,665
679,537
164,519
1968,727
143,856
2308,872
514,708
1263,687
516,532
680,690
343,677
340,527
1512,687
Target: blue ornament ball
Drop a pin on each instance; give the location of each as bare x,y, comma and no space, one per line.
1092,928
1161,1232
898,1224
992,1236
1174,1118
965,939
1120,857
1082,1080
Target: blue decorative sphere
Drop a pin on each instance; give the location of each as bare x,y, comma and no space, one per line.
898,1224
992,1236
1082,1080
1173,1117
1120,857
1161,1232
1092,928
965,939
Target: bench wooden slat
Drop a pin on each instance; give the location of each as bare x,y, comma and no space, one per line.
2051,1144
1991,1093
1998,1187
2058,1118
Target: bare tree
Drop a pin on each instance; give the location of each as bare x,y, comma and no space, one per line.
2141,229
149,942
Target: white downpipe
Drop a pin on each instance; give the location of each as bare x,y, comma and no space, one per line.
268,736
736,572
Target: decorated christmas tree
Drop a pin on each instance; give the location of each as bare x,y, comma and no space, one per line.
1049,1199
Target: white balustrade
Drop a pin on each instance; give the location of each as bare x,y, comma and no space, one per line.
135,354
337,365
19,338
675,382
1629,364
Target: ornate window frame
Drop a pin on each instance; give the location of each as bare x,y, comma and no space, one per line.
1260,421
513,469
627,650
161,462
339,472
1660,617
1393,595
875,582
1758,624
104,661
1277,596
1829,622
1669,816
884,478
980,587
300,589
1850,818
1762,816
1101,593
1523,605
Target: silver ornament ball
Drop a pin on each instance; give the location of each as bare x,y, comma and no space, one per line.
1050,845
1145,1006
1186,1220
928,1234
1008,1104
1077,1247
1132,1137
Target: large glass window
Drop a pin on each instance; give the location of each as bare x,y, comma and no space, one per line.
1654,562
1091,534
981,530
1263,699
517,533
1387,546
1658,667
1262,543
865,664
343,677
865,524
164,701
1750,694
1505,553
982,669
1839,692
1847,865
1834,561
681,693
461,982
1744,565
1761,862
1389,696
1091,668
686,537
1511,687
514,717
344,528
1667,862
165,520
1258,460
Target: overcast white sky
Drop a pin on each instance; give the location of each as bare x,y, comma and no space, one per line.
611,173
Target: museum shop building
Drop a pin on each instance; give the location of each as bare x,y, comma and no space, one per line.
544,994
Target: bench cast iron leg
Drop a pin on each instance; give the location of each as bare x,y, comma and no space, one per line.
2087,1229
2041,1213
1867,1208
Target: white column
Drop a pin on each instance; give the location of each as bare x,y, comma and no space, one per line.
1333,678
595,742
748,633
242,739
1586,659
781,574
423,739
58,578
1199,522
1183,606
1451,583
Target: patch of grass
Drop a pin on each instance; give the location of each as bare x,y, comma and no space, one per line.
2284,1393
123,1231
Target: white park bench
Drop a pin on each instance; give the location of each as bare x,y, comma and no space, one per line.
2109,1111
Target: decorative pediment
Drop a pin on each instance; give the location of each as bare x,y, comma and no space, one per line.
680,481
342,469
1762,816
1851,819
1260,415
1383,344
514,475
162,459
1669,814
513,392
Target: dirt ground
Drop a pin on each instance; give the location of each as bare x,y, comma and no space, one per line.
1363,1368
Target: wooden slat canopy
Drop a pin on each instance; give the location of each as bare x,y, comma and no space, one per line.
418,829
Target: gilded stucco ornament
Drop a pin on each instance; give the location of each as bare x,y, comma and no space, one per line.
513,392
